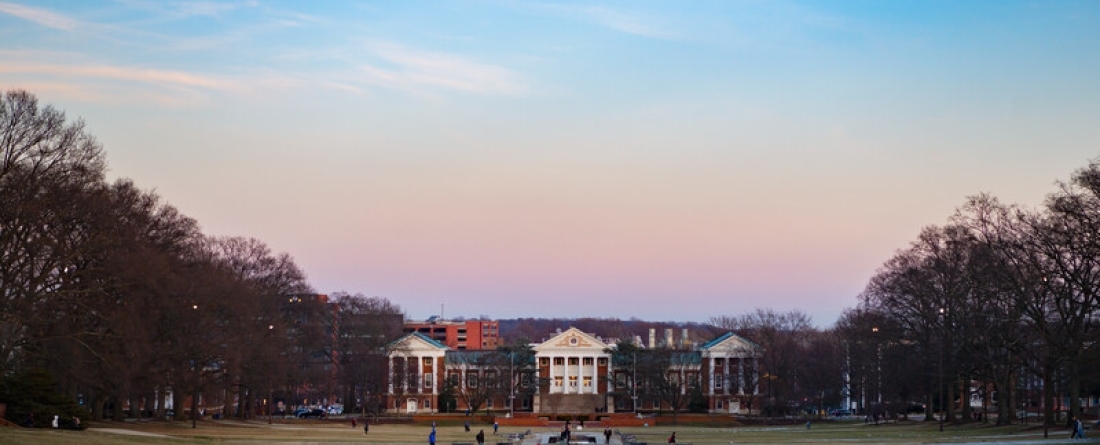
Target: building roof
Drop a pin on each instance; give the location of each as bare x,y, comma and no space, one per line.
418,336
731,341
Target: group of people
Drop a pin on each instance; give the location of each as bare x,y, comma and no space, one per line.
480,437
1078,428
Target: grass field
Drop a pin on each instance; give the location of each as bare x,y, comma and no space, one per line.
333,432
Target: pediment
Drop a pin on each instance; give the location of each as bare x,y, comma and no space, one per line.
416,343
572,338
731,343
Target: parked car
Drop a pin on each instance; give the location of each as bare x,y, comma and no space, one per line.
315,412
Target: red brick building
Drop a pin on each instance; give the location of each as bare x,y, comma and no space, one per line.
459,335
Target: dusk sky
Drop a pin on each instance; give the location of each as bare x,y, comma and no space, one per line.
670,161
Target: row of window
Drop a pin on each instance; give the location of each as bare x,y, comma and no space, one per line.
558,381
573,361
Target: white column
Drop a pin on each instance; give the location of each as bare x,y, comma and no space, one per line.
419,374
565,376
390,386
710,365
726,375
551,367
595,374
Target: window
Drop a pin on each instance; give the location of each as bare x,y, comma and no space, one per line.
558,361
426,362
573,361
718,379
453,378
471,380
427,404
718,404
427,380
544,361
525,403
489,402
603,361
557,381
588,382
588,361
572,381
491,379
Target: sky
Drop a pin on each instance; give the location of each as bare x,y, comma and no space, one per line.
667,161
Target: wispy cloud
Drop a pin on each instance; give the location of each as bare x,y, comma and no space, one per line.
409,69
40,16
616,20
152,76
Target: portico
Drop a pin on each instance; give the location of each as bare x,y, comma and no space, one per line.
573,366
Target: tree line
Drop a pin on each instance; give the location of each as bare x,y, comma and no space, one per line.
119,296
1002,300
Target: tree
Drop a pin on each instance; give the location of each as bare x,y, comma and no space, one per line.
782,337
47,164
364,327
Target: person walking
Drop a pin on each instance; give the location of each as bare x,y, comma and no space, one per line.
607,435
480,437
495,426
467,425
366,427
672,438
1078,429
431,437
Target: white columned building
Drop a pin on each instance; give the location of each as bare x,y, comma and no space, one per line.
575,365
414,386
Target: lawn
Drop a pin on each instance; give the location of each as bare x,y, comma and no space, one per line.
337,432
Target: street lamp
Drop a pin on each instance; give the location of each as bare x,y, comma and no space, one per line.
634,383
943,345
512,385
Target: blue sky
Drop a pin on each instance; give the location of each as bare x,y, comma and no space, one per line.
659,160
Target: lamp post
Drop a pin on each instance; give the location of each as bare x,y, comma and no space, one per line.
512,385
878,372
943,345
634,383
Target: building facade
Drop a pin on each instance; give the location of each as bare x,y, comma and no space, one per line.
572,372
459,335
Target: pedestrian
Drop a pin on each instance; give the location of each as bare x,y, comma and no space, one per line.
495,426
1078,429
480,437
672,438
76,422
808,424
55,422
431,437
353,422
366,427
467,426
607,435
